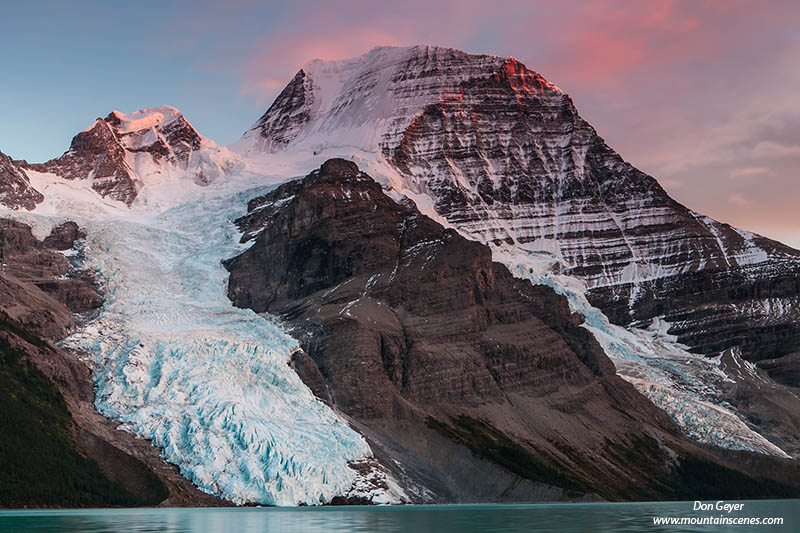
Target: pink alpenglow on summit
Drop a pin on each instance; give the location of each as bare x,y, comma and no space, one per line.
121,154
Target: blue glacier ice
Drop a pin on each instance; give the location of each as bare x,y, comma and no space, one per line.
208,383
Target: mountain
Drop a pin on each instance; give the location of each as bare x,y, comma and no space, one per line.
122,153
492,149
491,306
507,159
414,332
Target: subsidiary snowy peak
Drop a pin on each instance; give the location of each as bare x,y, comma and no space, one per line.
122,154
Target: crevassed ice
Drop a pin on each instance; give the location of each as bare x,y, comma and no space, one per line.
208,383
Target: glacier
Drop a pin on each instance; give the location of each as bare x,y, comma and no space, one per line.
174,362
687,386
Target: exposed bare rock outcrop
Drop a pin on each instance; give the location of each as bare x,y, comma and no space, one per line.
40,287
445,361
16,191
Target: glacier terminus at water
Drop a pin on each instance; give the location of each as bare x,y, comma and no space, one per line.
208,383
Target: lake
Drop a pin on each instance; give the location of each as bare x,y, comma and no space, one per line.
416,518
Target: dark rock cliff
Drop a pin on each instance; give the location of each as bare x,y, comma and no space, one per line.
432,348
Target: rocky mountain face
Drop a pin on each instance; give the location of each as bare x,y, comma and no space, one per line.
42,270
15,189
507,159
122,153
97,155
438,353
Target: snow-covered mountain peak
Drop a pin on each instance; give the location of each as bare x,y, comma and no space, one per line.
162,130
496,151
365,103
152,117
122,154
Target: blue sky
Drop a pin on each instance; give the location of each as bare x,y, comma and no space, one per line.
702,95
66,64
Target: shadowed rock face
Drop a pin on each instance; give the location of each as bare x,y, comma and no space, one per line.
279,129
508,160
36,268
15,188
452,325
416,334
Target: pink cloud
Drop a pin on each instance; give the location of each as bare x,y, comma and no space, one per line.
739,200
348,29
749,171
771,149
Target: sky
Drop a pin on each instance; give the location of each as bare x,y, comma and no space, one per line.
704,96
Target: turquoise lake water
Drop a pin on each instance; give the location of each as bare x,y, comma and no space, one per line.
439,518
